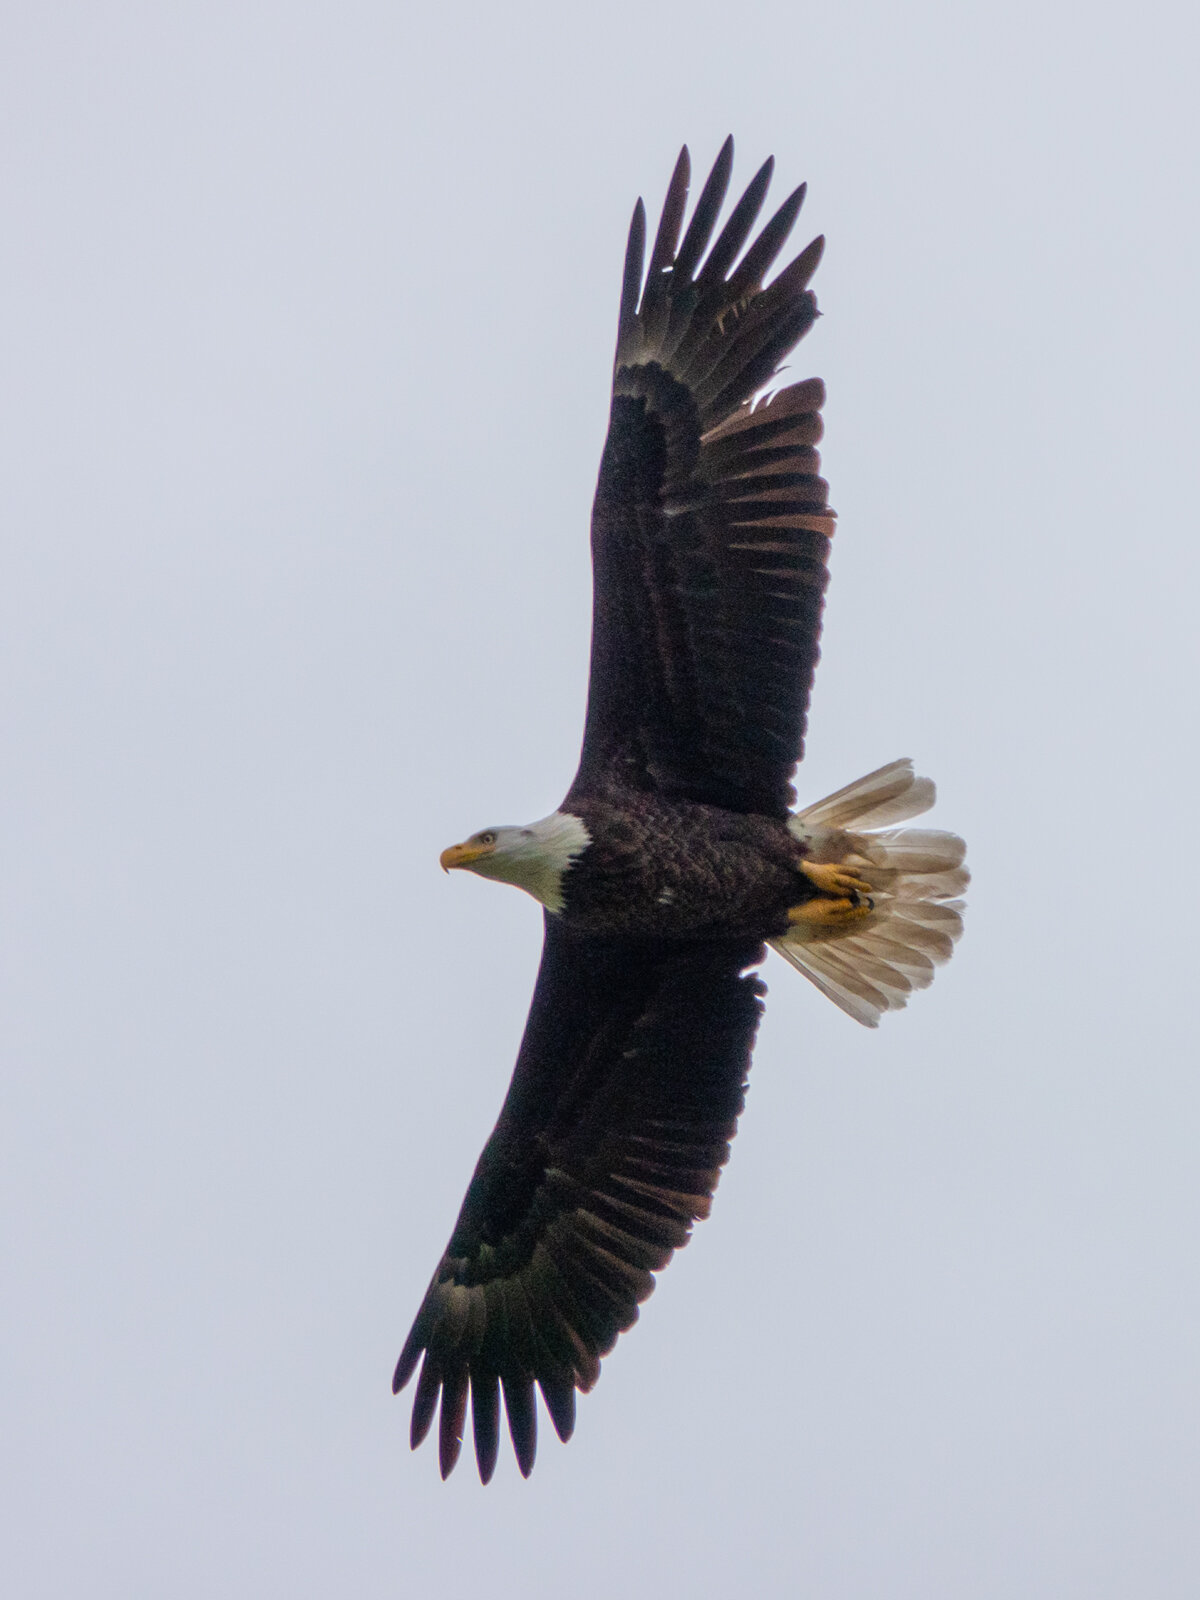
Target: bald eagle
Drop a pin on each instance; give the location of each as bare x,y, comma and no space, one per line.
676,856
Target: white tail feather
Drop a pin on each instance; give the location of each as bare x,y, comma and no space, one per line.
872,965
892,794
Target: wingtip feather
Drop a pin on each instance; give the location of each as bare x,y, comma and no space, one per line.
453,1416
424,1403
485,1422
522,1421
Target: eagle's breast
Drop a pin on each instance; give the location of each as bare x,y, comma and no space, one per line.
653,869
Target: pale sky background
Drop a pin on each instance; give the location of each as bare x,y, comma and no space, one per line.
306,321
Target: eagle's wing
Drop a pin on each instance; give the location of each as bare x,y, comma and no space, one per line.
626,1093
710,529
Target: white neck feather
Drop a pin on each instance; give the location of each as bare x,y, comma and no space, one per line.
536,858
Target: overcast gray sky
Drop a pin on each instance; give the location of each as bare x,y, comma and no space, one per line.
307,315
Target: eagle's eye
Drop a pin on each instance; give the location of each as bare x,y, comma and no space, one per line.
486,838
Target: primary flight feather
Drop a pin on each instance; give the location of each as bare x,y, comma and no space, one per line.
675,856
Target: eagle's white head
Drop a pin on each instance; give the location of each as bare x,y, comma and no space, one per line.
535,857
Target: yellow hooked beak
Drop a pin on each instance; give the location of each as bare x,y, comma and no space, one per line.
462,855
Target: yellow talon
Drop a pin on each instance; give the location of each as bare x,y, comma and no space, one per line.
830,913
834,880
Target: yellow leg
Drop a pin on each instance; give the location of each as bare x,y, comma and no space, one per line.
837,881
823,913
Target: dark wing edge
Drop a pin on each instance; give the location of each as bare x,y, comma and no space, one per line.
711,528
628,1086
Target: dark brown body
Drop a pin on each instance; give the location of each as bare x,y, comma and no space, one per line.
671,870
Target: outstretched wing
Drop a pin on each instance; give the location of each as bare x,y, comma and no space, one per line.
627,1090
710,529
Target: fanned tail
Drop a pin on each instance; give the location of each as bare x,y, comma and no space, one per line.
873,965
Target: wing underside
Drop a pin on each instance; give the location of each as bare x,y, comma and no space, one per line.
710,530
627,1090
